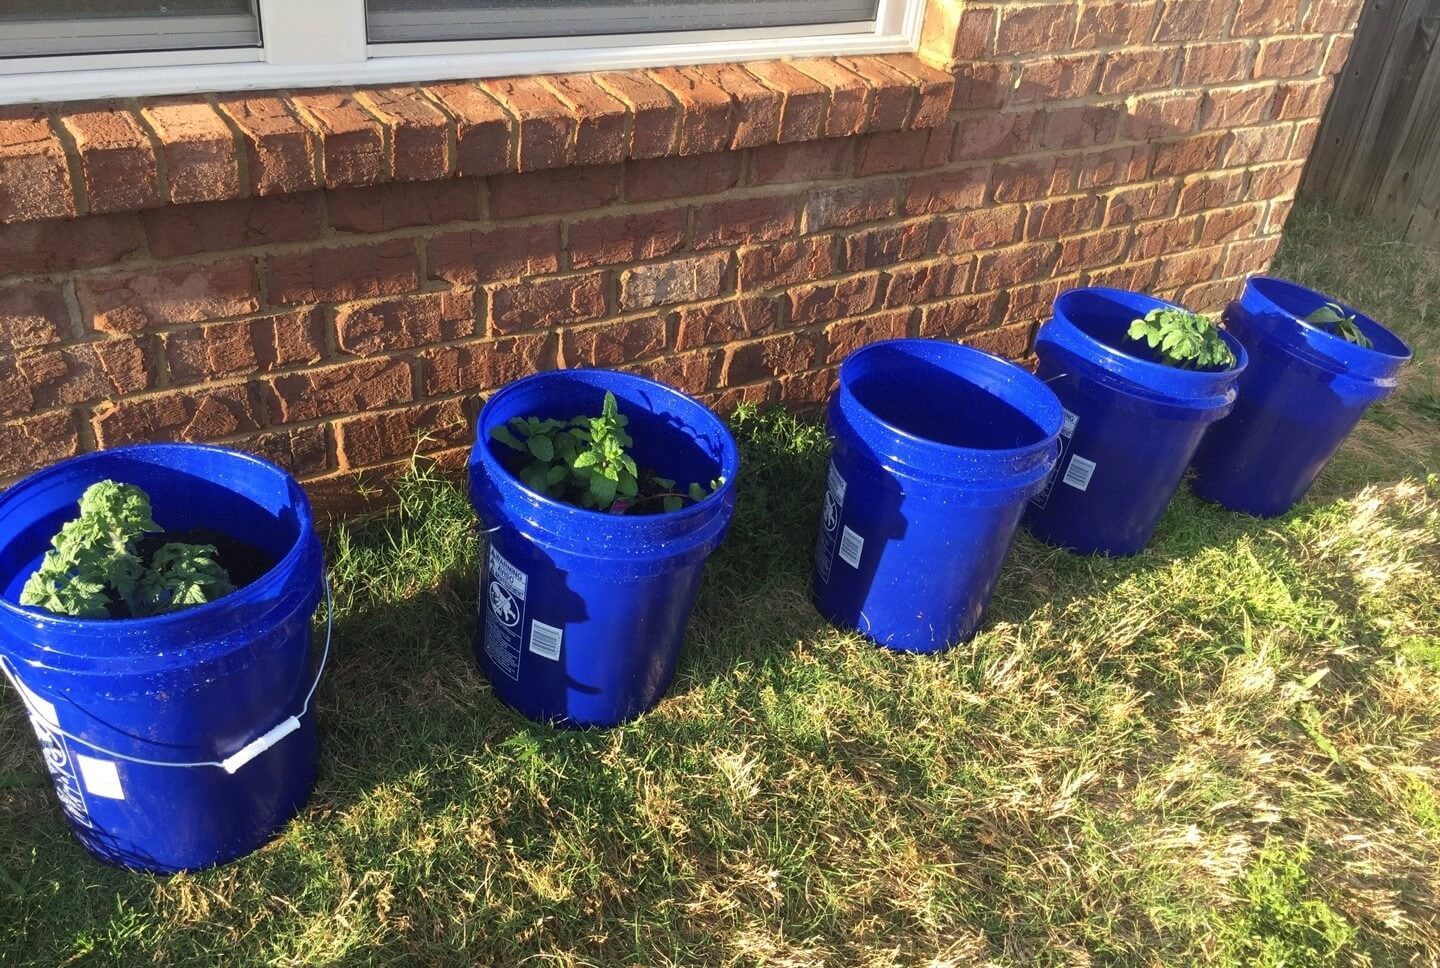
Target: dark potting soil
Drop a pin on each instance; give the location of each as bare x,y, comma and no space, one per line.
244,563
648,501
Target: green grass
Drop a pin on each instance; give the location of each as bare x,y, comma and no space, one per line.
1223,751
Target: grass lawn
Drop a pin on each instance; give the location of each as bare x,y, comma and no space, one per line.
1223,751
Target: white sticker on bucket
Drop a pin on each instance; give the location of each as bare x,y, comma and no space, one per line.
1067,435
1078,474
57,755
102,777
502,598
545,639
830,516
851,544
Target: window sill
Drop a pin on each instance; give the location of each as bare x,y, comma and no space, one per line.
94,158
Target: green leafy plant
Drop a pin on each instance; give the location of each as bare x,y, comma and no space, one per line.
1333,318
586,461
94,566
1184,339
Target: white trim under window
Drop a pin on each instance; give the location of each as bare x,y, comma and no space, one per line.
320,43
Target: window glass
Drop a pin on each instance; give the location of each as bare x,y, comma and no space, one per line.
413,20
37,28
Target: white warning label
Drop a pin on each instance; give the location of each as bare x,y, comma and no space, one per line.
834,506
502,599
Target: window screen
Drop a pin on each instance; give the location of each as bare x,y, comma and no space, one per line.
411,20
37,28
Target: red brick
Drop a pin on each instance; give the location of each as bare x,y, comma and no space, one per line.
300,450
912,284
962,315
1132,275
882,245
1278,215
1034,29
660,178
946,191
29,248
847,336
1154,239
934,95
1184,268
1274,181
1191,20
1027,304
201,158
1265,18
337,275
849,95
1017,266
613,343
279,148
803,99
1289,56
849,204
654,114
742,220
772,356
34,176
546,133
563,190
1233,107
705,111
676,281
1162,115
1109,24
117,163
546,303
823,301
383,208
245,347
190,416
618,239
1140,202
1253,146
984,228
39,379
1101,248
417,133
1302,99
1145,69
600,118
484,142
983,85
1059,78
1220,63
892,93
483,364
1200,152
32,314
1337,54
1231,224
1244,258
36,441
955,30
334,390
897,151
754,108
511,252
1062,216
1115,166
1211,191
128,302
351,146
688,371
995,135
806,161
374,438
405,322
786,263
1024,181
1305,134
1330,16
1012,342
181,230
1079,127
714,324
806,390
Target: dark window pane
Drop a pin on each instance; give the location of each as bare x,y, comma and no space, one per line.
30,28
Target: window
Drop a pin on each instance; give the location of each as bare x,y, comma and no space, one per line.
73,49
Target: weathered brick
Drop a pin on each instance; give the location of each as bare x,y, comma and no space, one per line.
1079,126
351,146
201,161
30,248
245,346
1274,181
1337,53
1289,56
910,284
1101,248
1184,268
785,263
1219,63
34,177
654,115
961,315
661,178
1143,69
984,228
300,450
546,303
32,314
1014,267
1030,303
1034,29
934,89
1330,16
807,390
1279,213
600,118
613,343
562,190
705,110
849,95
1110,24
805,161
754,108
1241,222
511,252
1140,202
337,390
742,220
341,274
771,356
687,371
182,230
823,301
374,438
1058,78
983,84
417,133
1302,99
35,441
1012,342
1257,18
1114,166
546,134
634,237
279,148
1155,116
194,415
1024,181
1305,134
1247,257
995,135
956,30
117,163
484,141
845,337
39,379
483,364
1253,146
1233,107
1152,239
946,191
128,302
1133,275
1062,216
882,245
1197,153
849,204
1211,191
398,205
717,323
803,99
892,94
404,322
676,281
1191,20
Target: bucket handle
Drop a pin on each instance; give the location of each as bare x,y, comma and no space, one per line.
232,763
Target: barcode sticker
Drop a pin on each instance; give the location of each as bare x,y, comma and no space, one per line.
1077,475
545,639
102,777
851,544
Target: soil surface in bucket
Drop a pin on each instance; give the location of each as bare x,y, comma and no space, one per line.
244,563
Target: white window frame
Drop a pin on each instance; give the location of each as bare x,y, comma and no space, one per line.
322,43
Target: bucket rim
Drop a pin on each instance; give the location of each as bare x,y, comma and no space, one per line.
1262,287
697,511
73,626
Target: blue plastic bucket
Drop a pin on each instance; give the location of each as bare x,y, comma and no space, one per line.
1303,394
936,449
581,614
183,740
1131,423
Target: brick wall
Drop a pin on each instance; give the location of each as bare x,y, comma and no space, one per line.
321,276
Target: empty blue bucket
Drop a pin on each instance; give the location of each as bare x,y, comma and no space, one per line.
581,613
1303,394
182,740
1131,423
937,447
